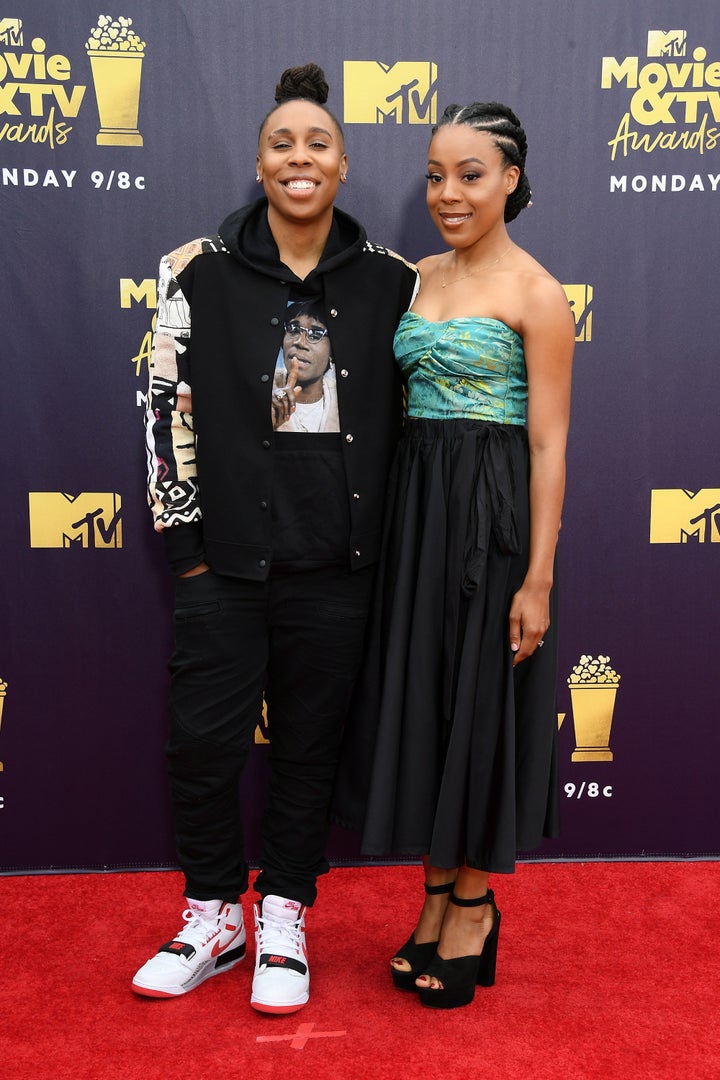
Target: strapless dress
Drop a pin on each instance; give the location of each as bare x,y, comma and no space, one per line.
450,751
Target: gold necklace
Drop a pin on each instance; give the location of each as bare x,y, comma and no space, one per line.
472,273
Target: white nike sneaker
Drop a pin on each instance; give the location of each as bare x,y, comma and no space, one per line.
213,941
281,983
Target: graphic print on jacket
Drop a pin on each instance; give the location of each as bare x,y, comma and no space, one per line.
305,366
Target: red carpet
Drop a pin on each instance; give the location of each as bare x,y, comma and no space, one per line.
605,970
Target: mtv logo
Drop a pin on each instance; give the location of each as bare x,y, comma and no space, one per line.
11,32
90,520
667,42
401,93
678,516
580,300
142,292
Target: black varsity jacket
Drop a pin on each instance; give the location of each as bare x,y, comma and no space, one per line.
221,302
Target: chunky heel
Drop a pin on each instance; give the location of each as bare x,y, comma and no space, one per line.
488,957
417,956
460,975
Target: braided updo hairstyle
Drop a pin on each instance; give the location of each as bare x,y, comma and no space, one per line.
304,83
502,124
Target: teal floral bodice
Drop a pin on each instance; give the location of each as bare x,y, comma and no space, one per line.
472,368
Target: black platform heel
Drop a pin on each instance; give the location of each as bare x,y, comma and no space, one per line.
417,956
461,975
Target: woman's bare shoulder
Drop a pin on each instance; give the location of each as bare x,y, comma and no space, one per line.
427,265
538,284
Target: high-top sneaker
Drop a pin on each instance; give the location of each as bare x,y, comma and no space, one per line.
212,941
281,983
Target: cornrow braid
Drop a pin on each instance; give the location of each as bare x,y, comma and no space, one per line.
304,83
503,125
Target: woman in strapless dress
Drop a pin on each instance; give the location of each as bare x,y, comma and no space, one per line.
462,665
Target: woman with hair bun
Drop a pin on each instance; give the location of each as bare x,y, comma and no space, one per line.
463,669
268,492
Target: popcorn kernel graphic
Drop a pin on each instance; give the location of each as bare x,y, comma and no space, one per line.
593,685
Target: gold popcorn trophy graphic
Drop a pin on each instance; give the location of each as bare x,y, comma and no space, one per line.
3,692
593,685
116,55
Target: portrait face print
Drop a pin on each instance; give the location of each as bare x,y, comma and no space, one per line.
304,396
306,345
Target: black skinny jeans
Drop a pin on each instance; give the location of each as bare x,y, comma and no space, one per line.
298,638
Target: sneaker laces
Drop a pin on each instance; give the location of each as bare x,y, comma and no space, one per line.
198,930
279,935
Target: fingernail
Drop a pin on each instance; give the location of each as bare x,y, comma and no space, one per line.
514,647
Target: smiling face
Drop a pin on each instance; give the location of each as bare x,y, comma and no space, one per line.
300,160
468,184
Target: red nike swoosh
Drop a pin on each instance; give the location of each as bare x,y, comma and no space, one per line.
218,948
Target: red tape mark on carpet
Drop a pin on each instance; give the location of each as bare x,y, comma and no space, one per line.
298,1041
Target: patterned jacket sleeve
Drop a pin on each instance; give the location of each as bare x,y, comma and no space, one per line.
173,492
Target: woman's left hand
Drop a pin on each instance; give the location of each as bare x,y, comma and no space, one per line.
529,620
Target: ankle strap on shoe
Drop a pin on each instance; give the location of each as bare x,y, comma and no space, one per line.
475,901
435,890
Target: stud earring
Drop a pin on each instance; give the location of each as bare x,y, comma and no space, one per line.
343,177
258,178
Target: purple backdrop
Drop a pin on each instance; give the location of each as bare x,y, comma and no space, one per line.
112,155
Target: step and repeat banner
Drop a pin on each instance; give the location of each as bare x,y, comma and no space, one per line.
127,132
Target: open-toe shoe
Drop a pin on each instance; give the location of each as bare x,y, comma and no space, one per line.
417,956
459,976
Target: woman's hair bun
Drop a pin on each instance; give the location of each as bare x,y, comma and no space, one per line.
307,83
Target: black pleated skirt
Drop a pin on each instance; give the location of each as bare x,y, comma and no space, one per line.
449,751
